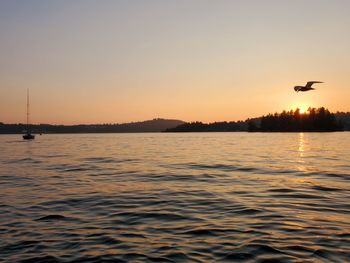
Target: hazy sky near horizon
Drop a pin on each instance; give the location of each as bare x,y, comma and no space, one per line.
120,61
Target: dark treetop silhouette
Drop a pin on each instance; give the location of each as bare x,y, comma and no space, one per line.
210,127
293,121
315,120
307,86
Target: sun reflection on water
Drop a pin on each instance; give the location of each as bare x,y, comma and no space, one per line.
301,152
301,148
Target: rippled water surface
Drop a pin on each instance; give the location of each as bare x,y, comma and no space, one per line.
197,197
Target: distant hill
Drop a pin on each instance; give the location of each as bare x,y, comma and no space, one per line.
155,125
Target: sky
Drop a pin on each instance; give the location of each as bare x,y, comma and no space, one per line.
194,60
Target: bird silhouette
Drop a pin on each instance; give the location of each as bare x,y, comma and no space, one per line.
307,87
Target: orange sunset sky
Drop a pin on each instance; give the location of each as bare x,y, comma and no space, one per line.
121,61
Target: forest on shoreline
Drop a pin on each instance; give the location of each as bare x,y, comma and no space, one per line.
314,120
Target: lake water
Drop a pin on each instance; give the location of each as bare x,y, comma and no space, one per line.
196,197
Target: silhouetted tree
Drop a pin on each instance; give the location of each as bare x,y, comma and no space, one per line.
314,120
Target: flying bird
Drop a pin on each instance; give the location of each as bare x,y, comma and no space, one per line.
307,87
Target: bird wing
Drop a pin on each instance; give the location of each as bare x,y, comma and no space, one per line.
309,83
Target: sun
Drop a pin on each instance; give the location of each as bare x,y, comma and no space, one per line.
301,103
302,110
303,107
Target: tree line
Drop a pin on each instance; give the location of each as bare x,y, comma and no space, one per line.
320,119
314,120
210,127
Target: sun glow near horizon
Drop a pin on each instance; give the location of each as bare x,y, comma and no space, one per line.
302,111
304,101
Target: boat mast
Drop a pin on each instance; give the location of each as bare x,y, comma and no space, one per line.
27,110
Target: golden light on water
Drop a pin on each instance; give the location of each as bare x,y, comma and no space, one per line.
301,152
301,147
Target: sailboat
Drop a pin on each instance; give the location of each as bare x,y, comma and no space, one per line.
28,135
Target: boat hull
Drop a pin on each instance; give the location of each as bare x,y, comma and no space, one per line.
28,137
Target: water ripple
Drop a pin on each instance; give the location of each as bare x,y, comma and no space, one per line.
232,197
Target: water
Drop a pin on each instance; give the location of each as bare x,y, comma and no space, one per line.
197,197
